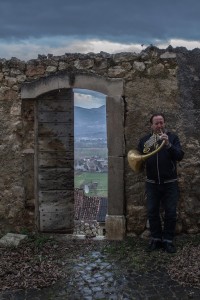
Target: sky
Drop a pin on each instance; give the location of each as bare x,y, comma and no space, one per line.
32,27
88,99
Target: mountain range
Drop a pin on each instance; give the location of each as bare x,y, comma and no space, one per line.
90,122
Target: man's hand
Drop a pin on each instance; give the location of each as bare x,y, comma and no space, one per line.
164,137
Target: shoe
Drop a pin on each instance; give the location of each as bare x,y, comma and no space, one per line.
169,247
154,245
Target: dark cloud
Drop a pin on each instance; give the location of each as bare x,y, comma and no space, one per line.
141,21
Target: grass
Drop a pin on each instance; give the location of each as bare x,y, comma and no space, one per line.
39,239
87,178
132,252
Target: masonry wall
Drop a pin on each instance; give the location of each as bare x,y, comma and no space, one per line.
166,80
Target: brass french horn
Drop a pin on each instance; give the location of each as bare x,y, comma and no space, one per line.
136,159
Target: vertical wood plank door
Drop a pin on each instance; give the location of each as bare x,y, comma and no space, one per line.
54,165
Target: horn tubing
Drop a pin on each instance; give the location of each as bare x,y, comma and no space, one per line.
153,152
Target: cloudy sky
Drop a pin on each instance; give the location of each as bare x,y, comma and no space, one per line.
32,27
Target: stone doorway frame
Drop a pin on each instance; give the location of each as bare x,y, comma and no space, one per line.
114,91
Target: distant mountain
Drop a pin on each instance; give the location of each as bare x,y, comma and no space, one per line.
90,122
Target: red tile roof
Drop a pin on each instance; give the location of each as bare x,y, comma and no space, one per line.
89,208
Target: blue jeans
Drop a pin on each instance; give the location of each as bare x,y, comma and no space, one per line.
167,195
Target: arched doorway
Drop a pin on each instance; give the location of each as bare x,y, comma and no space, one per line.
53,101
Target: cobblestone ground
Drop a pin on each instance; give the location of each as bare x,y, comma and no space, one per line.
101,274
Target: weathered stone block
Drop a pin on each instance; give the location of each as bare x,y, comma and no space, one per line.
12,239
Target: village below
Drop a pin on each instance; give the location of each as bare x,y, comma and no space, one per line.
90,171
90,160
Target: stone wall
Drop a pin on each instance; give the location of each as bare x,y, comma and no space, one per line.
164,80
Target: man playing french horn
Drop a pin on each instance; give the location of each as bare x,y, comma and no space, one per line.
161,182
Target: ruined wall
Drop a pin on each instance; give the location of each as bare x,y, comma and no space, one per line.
168,82
154,80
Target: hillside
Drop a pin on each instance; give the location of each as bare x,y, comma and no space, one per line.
90,122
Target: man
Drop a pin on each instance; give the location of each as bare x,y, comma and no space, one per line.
161,182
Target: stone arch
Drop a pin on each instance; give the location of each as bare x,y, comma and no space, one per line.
108,86
113,89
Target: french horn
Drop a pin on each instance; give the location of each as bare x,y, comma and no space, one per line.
136,159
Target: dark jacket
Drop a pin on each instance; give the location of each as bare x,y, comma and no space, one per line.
161,167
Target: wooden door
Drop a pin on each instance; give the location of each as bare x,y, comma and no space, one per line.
54,143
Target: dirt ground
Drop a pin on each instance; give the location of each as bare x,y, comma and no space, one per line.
42,260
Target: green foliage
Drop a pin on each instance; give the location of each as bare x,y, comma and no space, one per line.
40,240
24,231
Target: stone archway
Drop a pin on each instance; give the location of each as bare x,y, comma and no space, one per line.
113,89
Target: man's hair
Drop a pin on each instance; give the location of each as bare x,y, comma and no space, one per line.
156,115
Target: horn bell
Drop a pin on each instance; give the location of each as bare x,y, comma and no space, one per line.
136,159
